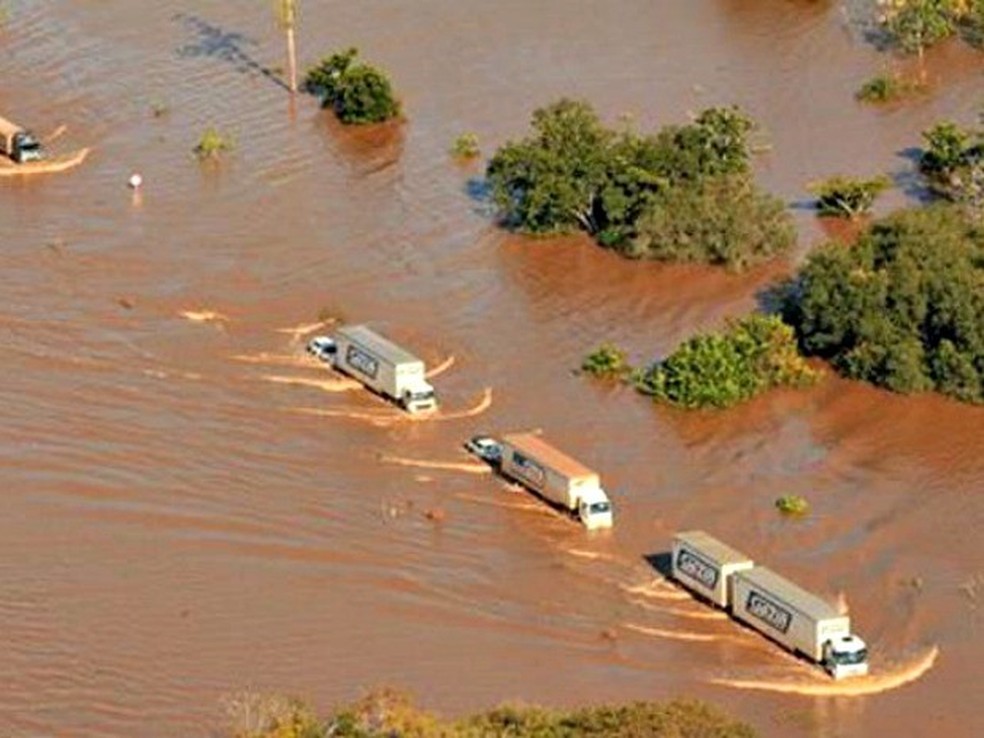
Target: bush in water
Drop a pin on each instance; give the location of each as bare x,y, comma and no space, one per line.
607,362
793,505
721,369
466,146
848,197
358,93
212,144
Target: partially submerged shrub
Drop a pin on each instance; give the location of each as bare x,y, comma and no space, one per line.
212,144
466,146
953,162
887,88
607,361
721,369
793,505
848,197
357,92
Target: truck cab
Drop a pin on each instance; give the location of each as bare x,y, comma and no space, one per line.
594,509
419,397
845,656
26,148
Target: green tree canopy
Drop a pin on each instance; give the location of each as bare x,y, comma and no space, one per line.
903,308
573,173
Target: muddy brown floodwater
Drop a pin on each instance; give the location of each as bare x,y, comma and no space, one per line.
190,506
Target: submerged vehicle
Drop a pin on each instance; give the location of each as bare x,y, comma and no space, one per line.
778,609
19,144
559,479
383,367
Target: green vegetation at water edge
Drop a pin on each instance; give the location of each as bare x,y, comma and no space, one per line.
684,193
720,369
386,714
848,197
902,308
358,93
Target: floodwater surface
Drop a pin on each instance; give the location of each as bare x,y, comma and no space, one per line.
192,506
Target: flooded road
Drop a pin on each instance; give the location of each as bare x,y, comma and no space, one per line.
191,506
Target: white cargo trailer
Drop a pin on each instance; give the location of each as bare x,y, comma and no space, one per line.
705,565
384,367
798,620
556,477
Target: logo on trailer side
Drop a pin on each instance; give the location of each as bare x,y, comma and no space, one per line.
701,571
768,611
360,360
528,469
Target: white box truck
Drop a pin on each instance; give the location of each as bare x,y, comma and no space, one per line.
792,617
384,367
534,463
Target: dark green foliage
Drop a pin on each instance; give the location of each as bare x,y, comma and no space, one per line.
721,369
358,93
903,308
724,220
847,197
607,362
573,174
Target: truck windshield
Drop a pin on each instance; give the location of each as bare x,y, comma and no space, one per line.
422,395
599,508
849,657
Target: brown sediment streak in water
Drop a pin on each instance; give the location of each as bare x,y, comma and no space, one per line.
442,367
204,316
592,555
326,385
492,501
704,614
298,332
50,166
278,360
855,687
657,590
470,468
480,407
55,134
377,418
682,635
